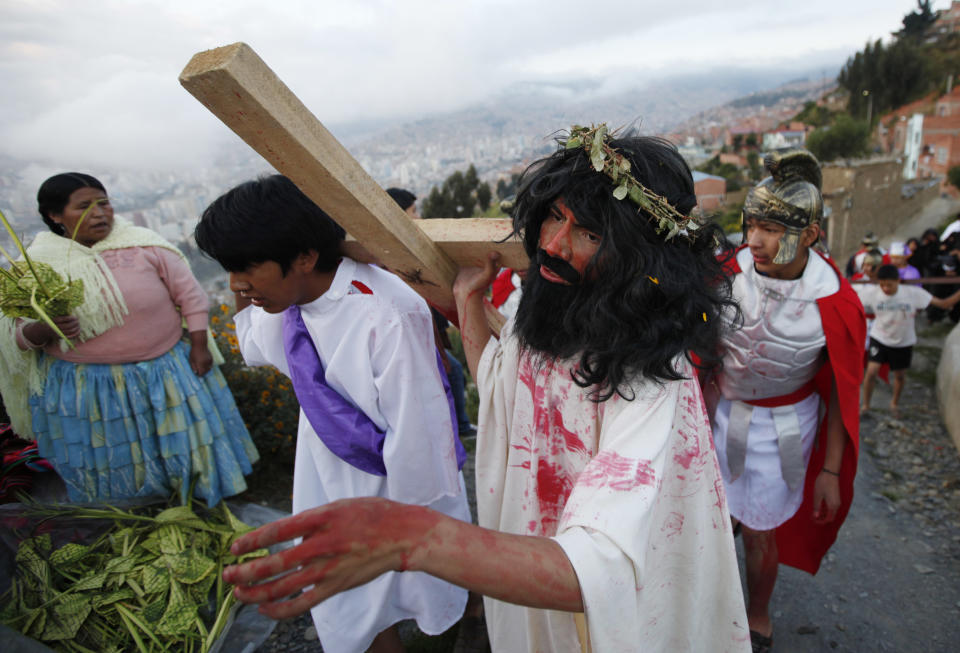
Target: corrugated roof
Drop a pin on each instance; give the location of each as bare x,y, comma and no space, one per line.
701,176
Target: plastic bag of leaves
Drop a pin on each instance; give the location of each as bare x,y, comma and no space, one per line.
101,578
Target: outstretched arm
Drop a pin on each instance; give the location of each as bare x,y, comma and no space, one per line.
468,289
351,542
945,303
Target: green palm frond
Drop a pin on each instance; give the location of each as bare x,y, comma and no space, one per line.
34,290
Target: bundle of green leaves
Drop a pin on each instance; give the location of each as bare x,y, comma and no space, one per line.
35,290
151,582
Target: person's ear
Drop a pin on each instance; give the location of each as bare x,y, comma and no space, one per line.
306,261
810,235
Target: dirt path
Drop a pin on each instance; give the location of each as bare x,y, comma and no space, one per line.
892,580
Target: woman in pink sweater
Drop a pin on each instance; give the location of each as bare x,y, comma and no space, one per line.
132,409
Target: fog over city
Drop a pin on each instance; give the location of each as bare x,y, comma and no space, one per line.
93,84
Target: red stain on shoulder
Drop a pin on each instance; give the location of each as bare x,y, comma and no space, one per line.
553,451
692,418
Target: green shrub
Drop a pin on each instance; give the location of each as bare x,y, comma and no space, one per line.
264,396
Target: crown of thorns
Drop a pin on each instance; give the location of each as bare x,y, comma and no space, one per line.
605,158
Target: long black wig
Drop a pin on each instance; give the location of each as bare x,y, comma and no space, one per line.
643,300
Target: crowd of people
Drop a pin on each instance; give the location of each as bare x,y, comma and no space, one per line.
646,402
934,255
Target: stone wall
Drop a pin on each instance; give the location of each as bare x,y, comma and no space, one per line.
869,195
948,384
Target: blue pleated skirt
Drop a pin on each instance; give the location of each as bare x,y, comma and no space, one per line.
142,429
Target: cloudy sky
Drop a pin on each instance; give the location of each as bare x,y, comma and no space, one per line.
94,82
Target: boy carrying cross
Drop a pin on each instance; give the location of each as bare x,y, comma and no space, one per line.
376,415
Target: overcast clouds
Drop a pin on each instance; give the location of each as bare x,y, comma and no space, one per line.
94,82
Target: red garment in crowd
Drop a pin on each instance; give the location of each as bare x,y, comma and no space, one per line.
501,287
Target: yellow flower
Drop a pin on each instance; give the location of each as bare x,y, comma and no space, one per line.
224,309
278,425
214,320
231,326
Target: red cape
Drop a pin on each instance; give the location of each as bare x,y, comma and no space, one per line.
801,542
502,287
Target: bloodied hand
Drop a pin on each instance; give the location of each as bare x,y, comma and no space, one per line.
826,498
345,544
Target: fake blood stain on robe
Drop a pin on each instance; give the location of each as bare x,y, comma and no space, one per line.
610,469
559,451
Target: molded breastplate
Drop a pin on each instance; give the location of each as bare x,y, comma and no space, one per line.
780,346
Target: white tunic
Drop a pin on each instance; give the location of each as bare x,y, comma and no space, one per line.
631,492
378,352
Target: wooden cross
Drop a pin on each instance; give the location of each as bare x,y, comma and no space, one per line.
241,90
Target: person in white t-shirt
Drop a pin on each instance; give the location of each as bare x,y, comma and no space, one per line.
893,333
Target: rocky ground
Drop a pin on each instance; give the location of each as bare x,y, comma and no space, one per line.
892,580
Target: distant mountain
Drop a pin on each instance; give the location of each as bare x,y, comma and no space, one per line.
517,124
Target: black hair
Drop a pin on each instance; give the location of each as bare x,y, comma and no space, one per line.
402,196
888,273
55,192
268,219
644,300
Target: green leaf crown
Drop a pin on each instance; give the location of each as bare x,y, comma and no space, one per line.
606,159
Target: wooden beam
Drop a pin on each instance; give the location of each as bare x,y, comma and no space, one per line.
465,240
241,90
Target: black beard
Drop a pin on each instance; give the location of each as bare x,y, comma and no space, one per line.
539,323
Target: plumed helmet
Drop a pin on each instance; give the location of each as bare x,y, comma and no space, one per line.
790,196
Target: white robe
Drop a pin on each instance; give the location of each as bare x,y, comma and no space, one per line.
378,352
632,493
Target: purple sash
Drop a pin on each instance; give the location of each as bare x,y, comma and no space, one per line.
343,428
